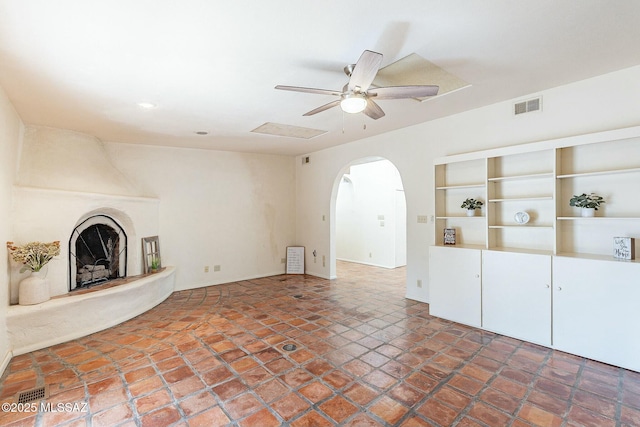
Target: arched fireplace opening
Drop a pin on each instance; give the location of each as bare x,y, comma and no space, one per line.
97,252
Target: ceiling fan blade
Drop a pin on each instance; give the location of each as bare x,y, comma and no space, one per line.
373,110
399,92
323,108
365,70
309,90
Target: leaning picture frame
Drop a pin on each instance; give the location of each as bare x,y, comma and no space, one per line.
151,259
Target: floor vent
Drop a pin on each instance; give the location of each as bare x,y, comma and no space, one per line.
32,395
289,347
297,296
534,104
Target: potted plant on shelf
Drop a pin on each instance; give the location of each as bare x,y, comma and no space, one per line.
588,202
471,205
155,264
34,256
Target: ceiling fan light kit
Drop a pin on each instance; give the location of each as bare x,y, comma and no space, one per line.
353,103
357,95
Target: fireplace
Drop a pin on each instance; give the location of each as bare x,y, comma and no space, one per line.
97,252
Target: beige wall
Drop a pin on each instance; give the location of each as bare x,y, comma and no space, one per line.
209,208
235,210
11,130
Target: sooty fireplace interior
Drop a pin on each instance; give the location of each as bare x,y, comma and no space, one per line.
97,252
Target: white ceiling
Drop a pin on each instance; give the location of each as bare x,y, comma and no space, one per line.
212,65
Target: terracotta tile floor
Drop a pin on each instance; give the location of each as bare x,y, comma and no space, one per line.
365,356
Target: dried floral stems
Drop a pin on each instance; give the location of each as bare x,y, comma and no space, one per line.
34,255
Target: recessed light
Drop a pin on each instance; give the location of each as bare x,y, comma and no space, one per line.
202,132
146,105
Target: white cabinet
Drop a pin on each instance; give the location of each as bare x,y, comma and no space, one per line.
596,310
454,277
516,295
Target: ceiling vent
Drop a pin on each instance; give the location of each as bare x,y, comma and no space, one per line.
528,106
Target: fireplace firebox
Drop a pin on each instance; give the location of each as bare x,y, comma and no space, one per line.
97,252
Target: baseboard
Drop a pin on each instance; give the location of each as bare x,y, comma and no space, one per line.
416,298
5,361
365,263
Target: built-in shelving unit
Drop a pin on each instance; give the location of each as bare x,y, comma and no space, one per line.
540,178
554,280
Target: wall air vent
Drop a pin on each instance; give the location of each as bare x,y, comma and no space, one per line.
528,106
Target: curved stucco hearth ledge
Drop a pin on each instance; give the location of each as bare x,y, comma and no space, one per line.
69,317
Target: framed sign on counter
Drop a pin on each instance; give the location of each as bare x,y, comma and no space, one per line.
295,260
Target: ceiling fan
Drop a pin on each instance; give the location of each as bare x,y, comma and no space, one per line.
358,95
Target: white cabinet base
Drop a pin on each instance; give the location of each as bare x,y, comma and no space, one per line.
516,295
454,284
596,310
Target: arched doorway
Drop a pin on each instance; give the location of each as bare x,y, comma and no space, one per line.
368,215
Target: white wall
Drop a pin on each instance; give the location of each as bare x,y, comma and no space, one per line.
11,130
606,102
71,161
368,193
63,178
234,210
209,208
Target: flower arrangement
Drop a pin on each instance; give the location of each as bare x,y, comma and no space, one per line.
34,255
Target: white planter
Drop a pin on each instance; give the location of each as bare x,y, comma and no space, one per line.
471,212
34,289
588,212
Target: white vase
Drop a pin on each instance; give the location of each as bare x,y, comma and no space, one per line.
34,289
588,212
471,212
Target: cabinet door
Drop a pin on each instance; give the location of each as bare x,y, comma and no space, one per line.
454,284
516,295
595,309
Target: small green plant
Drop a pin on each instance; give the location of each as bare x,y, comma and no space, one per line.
471,204
155,263
586,201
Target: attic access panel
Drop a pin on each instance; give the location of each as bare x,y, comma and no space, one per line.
415,70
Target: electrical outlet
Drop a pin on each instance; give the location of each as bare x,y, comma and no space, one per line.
206,268
216,268
419,283
323,261
423,219
283,260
